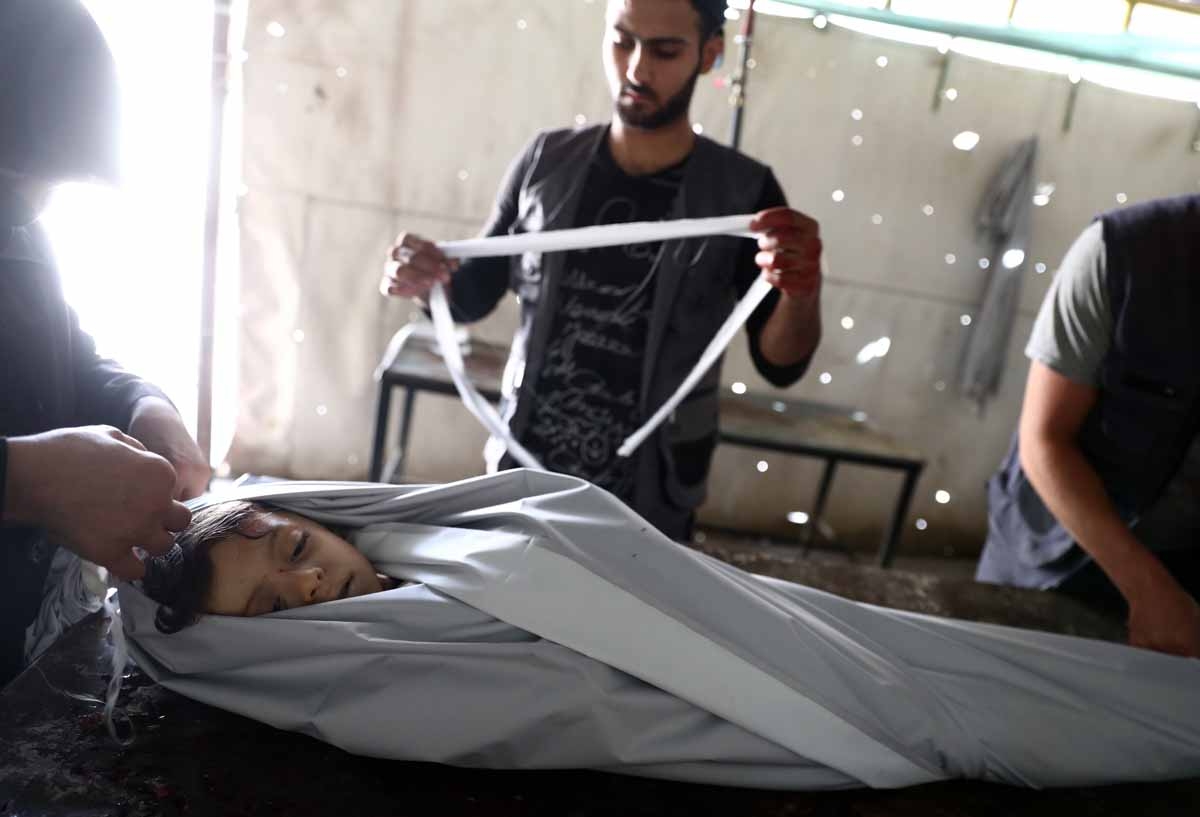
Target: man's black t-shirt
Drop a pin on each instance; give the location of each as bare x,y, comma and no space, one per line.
586,401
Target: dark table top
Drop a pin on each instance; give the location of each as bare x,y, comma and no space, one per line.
802,426
56,757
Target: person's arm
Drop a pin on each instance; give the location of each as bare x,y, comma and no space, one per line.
473,287
1162,616
785,330
106,394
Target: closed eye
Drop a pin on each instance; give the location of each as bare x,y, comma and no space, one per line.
298,550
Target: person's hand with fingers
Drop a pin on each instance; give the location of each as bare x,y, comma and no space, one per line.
1165,618
157,425
789,244
414,266
96,491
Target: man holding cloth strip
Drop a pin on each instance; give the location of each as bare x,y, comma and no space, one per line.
607,334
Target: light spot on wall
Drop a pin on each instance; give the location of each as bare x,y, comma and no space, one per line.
1013,258
966,140
873,351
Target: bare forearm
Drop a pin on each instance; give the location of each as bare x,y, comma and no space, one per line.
793,331
1072,490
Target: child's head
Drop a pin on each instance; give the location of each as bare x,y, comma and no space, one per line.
241,559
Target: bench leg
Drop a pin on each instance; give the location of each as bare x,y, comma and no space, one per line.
410,399
819,508
382,409
891,538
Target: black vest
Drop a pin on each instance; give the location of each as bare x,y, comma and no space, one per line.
1148,410
693,297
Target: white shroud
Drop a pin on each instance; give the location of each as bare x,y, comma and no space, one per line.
551,627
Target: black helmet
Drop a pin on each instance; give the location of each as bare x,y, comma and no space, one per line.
58,93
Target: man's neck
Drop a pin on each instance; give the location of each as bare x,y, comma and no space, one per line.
641,152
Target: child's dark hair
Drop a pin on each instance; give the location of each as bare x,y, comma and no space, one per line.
712,17
180,580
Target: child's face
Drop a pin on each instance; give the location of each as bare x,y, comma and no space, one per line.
279,560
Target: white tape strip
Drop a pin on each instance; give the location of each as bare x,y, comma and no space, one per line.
716,347
607,235
448,344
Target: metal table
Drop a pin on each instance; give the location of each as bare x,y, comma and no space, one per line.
832,433
190,759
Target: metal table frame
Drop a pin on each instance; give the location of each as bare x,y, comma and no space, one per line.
392,376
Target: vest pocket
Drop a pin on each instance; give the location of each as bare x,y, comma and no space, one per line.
1142,419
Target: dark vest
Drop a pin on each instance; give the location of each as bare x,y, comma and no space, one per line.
1148,410
694,295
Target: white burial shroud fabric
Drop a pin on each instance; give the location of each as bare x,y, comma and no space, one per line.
551,627
606,235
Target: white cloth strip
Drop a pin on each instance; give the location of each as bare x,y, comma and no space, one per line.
716,347
474,401
605,235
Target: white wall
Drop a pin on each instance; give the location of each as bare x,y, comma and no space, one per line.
434,97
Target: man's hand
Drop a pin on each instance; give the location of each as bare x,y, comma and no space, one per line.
414,266
789,251
157,425
1165,619
96,491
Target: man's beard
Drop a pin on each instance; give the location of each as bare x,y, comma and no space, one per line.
668,113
